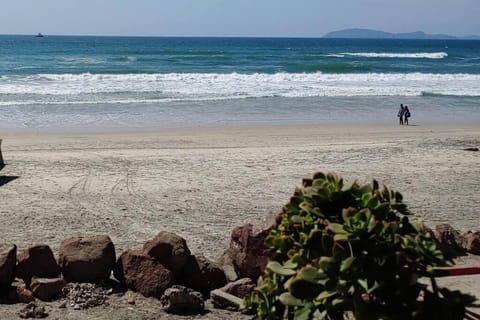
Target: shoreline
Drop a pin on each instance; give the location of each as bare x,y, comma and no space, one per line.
320,126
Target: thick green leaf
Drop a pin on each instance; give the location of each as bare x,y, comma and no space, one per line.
346,264
304,313
341,237
312,275
288,299
325,295
289,264
279,269
337,228
363,283
296,219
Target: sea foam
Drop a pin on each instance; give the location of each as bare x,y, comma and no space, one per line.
414,55
153,88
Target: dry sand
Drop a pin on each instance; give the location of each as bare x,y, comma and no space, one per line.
201,182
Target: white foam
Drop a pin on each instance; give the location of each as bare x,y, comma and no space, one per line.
415,55
151,88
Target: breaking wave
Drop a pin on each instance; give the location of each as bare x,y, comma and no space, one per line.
89,88
415,55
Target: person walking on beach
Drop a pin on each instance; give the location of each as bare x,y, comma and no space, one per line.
401,112
407,114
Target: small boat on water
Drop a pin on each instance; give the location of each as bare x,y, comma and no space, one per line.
39,35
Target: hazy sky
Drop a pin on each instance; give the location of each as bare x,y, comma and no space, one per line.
236,17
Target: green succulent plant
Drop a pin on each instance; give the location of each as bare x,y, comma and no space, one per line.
342,252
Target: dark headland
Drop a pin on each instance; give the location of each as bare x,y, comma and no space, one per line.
376,34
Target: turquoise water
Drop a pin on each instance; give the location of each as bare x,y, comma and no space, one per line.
83,83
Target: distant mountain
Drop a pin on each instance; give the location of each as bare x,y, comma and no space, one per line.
375,34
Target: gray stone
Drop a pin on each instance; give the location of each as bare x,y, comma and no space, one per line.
82,296
223,300
241,288
182,300
32,310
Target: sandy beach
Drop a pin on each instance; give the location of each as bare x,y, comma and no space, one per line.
201,182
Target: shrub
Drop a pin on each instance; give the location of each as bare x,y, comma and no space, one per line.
340,252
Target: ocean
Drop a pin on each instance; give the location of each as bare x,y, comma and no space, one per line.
70,83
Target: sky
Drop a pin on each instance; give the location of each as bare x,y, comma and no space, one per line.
272,18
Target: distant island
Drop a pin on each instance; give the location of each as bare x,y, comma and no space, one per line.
375,34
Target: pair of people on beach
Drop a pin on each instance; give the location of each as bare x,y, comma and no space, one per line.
403,114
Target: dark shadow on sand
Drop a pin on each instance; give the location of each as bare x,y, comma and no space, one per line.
6,179
472,315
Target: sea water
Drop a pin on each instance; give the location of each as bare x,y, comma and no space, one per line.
126,83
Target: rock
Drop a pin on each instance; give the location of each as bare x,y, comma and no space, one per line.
223,300
182,300
247,252
131,301
24,295
449,240
471,242
87,258
241,288
225,261
45,289
202,275
142,273
8,260
169,249
32,310
37,261
84,295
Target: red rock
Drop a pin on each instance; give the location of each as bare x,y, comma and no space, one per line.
471,242
449,240
46,289
87,258
142,273
247,252
24,295
37,261
8,260
169,249
202,275
241,288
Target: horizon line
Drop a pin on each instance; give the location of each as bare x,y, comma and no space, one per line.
460,37
157,36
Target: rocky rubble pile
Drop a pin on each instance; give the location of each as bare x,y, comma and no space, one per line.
85,295
164,268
